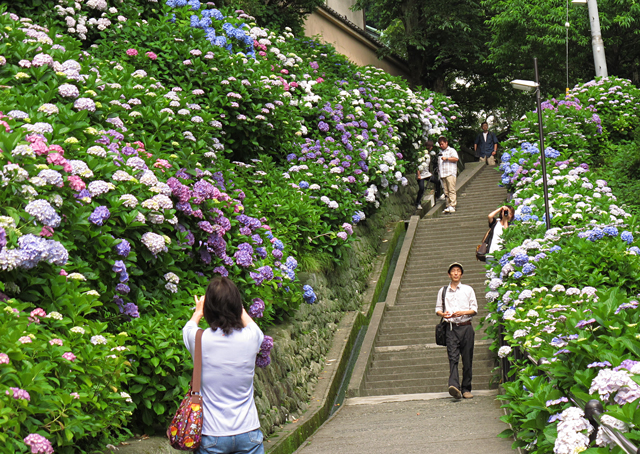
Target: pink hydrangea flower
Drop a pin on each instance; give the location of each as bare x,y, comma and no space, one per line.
40,148
69,356
4,358
46,231
132,52
342,235
36,313
152,55
76,183
75,395
18,393
56,159
38,444
56,342
63,272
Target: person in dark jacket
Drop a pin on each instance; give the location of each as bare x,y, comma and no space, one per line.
486,145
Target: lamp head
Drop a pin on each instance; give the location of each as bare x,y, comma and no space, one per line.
525,85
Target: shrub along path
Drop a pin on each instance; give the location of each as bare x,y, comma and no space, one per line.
407,407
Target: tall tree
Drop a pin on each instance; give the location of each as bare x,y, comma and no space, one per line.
440,37
523,29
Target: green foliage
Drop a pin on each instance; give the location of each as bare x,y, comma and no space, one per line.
78,403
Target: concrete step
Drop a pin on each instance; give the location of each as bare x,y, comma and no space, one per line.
400,376
427,361
423,322
426,386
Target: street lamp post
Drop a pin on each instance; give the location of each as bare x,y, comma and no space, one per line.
528,85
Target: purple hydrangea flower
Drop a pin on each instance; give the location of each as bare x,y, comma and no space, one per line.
257,308
221,270
582,323
131,310
123,288
99,215
123,248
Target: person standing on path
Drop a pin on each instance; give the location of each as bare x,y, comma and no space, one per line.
487,142
448,169
229,348
423,172
506,214
461,305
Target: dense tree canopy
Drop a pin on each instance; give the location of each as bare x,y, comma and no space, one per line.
471,49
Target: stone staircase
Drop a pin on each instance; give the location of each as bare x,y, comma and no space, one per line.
406,359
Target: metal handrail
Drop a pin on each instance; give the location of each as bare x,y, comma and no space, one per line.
593,409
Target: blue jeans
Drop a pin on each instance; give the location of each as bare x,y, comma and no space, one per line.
248,442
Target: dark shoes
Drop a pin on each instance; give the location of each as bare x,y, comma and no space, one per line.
455,392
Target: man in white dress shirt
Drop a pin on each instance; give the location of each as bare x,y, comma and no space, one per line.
460,307
448,169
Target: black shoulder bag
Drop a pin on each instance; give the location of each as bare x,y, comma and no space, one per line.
483,248
441,328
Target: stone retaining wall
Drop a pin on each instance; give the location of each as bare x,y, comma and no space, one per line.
284,388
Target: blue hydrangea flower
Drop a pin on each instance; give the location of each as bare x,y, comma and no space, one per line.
596,234
634,250
504,259
521,259
551,153
517,275
610,231
627,237
291,263
526,209
555,249
528,268
309,295
278,245
355,218
303,185
506,157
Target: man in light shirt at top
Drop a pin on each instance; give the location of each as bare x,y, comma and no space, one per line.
460,307
448,166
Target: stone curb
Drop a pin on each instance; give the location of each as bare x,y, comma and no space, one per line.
293,435
365,356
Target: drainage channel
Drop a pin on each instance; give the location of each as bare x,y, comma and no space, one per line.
353,357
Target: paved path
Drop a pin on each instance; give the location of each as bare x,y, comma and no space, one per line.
421,426
406,407
406,359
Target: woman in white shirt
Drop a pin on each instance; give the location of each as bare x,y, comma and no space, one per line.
229,349
506,213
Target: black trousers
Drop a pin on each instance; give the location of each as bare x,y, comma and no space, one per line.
420,190
460,342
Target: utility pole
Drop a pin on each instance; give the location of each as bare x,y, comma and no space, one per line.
596,40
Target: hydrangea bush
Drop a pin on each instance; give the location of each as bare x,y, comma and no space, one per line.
567,296
135,170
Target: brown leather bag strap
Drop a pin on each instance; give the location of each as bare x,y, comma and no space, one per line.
196,379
